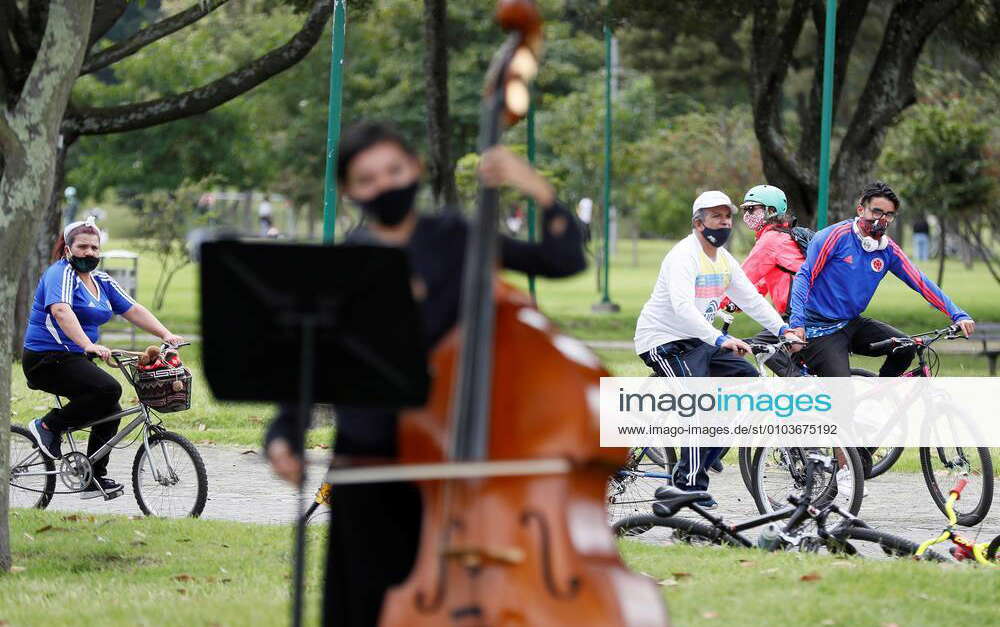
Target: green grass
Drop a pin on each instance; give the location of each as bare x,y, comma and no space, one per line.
112,570
748,587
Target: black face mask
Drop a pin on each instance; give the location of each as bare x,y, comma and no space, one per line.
84,264
391,206
717,237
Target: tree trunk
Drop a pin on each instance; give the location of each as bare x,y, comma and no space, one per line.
29,135
942,250
442,168
37,259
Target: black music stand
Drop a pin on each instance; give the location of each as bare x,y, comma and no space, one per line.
266,307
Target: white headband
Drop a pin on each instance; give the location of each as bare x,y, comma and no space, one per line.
69,227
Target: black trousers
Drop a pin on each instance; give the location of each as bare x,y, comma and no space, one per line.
694,358
374,528
92,392
828,356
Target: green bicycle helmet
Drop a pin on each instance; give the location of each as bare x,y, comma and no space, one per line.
767,195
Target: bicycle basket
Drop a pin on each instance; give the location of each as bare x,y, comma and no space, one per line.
166,390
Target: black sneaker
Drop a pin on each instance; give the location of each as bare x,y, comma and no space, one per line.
111,487
708,503
717,466
48,442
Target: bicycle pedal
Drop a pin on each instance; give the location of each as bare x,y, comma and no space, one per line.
113,495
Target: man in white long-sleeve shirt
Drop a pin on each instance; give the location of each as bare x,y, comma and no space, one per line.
674,334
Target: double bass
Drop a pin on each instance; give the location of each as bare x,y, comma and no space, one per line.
521,536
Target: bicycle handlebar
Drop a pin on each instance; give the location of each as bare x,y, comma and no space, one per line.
948,333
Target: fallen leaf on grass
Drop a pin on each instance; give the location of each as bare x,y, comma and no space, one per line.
137,543
202,426
666,583
226,580
182,591
811,577
257,420
183,539
210,579
323,446
183,577
50,528
709,614
17,569
139,533
769,571
747,563
71,517
681,575
29,537
225,546
135,517
3,623
205,442
101,539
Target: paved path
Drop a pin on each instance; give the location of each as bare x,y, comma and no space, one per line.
242,488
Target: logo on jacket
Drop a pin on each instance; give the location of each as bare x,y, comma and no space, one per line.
849,259
877,264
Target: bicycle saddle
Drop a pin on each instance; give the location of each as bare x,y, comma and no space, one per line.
671,500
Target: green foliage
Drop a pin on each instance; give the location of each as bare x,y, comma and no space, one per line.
165,219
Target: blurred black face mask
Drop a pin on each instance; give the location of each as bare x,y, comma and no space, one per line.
84,264
391,206
717,237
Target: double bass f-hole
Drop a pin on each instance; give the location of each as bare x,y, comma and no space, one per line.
423,605
573,586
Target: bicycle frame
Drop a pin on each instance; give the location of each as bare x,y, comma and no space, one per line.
800,510
963,549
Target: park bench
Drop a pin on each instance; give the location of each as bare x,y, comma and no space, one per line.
988,332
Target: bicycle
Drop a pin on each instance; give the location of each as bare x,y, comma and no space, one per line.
752,460
983,553
940,462
631,488
168,473
848,537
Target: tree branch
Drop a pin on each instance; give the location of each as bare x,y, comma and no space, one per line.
890,87
106,13
150,113
146,36
769,67
55,69
850,15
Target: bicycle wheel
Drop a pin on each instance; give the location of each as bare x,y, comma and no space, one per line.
29,490
630,490
685,530
942,465
779,472
993,551
864,542
746,460
169,480
883,458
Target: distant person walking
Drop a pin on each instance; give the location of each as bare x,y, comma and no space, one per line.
922,238
585,211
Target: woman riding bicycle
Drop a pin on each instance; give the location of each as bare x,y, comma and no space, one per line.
72,301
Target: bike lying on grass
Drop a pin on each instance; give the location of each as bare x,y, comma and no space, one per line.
847,536
986,553
168,474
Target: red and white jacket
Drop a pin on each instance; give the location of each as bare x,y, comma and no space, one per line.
772,264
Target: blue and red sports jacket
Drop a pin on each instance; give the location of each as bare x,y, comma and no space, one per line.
838,280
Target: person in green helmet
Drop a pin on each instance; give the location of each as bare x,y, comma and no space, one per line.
773,261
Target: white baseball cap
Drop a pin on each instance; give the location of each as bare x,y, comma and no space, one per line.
711,199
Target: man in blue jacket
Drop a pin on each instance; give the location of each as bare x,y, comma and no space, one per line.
844,264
